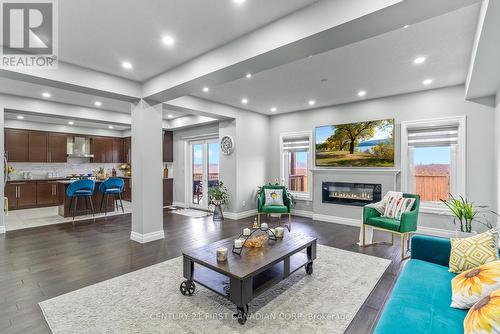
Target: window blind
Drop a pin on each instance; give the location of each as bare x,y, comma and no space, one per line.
294,144
433,136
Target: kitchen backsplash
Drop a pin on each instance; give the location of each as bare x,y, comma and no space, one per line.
73,166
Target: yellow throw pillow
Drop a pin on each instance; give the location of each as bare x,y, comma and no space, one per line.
473,285
484,316
469,253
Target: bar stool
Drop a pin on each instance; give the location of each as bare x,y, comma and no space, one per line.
112,186
81,188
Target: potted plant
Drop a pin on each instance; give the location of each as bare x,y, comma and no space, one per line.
218,195
465,212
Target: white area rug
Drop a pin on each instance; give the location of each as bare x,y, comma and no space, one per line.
149,301
192,213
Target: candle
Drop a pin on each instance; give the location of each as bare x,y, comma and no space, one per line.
238,243
280,231
222,254
263,226
246,232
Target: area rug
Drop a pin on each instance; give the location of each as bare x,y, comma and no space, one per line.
149,301
192,213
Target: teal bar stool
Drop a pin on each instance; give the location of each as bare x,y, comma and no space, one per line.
81,188
111,187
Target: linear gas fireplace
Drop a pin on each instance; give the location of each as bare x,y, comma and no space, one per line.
358,194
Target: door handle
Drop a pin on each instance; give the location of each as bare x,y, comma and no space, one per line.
16,192
19,192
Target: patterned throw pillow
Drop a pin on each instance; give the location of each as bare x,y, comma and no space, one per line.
469,253
396,206
473,285
274,196
484,316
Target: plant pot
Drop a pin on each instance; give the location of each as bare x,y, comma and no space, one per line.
460,234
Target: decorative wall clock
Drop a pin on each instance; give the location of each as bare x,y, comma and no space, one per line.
226,145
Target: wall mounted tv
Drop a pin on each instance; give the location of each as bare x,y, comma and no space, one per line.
362,144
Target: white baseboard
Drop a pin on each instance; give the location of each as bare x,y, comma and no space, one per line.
302,213
180,204
148,237
2,229
240,215
437,232
336,220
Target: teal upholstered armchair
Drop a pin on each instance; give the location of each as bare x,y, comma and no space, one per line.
262,208
404,227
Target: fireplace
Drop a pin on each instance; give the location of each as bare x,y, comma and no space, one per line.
358,194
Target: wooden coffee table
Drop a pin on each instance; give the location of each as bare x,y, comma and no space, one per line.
243,277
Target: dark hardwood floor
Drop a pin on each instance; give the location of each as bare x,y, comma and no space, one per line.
40,263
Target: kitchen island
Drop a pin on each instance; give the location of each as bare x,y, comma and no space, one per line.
64,203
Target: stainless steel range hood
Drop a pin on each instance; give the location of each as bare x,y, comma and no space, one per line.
79,147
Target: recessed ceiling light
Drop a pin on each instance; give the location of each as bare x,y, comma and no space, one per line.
361,93
127,65
312,102
46,94
406,26
206,89
244,100
427,82
249,75
110,126
239,2
419,60
71,123
168,40
98,103
20,117
170,116
273,109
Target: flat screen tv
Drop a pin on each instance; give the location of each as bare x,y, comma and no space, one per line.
362,144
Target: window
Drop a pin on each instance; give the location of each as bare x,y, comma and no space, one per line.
433,159
295,163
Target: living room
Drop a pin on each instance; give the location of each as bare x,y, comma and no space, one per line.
327,166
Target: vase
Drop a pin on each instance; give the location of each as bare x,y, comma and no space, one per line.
460,234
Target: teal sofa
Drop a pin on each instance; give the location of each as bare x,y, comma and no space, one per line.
420,300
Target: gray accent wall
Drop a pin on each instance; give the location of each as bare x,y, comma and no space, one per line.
416,106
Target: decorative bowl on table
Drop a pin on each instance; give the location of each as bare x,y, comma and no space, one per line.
256,242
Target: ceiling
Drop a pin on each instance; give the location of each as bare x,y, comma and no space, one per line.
381,66
100,35
60,120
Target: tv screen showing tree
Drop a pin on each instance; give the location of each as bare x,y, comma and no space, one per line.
363,144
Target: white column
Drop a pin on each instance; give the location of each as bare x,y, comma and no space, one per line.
147,164
2,215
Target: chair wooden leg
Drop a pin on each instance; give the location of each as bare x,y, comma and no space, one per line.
289,222
258,219
392,239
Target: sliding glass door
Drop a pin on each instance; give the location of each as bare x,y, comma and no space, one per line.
204,171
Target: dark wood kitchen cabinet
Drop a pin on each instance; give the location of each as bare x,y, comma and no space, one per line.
168,192
117,145
168,146
16,145
38,147
127,189
47,193
127,150
21,194
58,144
102,149
35,146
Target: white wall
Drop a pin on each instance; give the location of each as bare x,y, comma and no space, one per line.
423,105
497,153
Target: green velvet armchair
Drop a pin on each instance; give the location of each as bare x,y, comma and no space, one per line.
262,208
403,227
